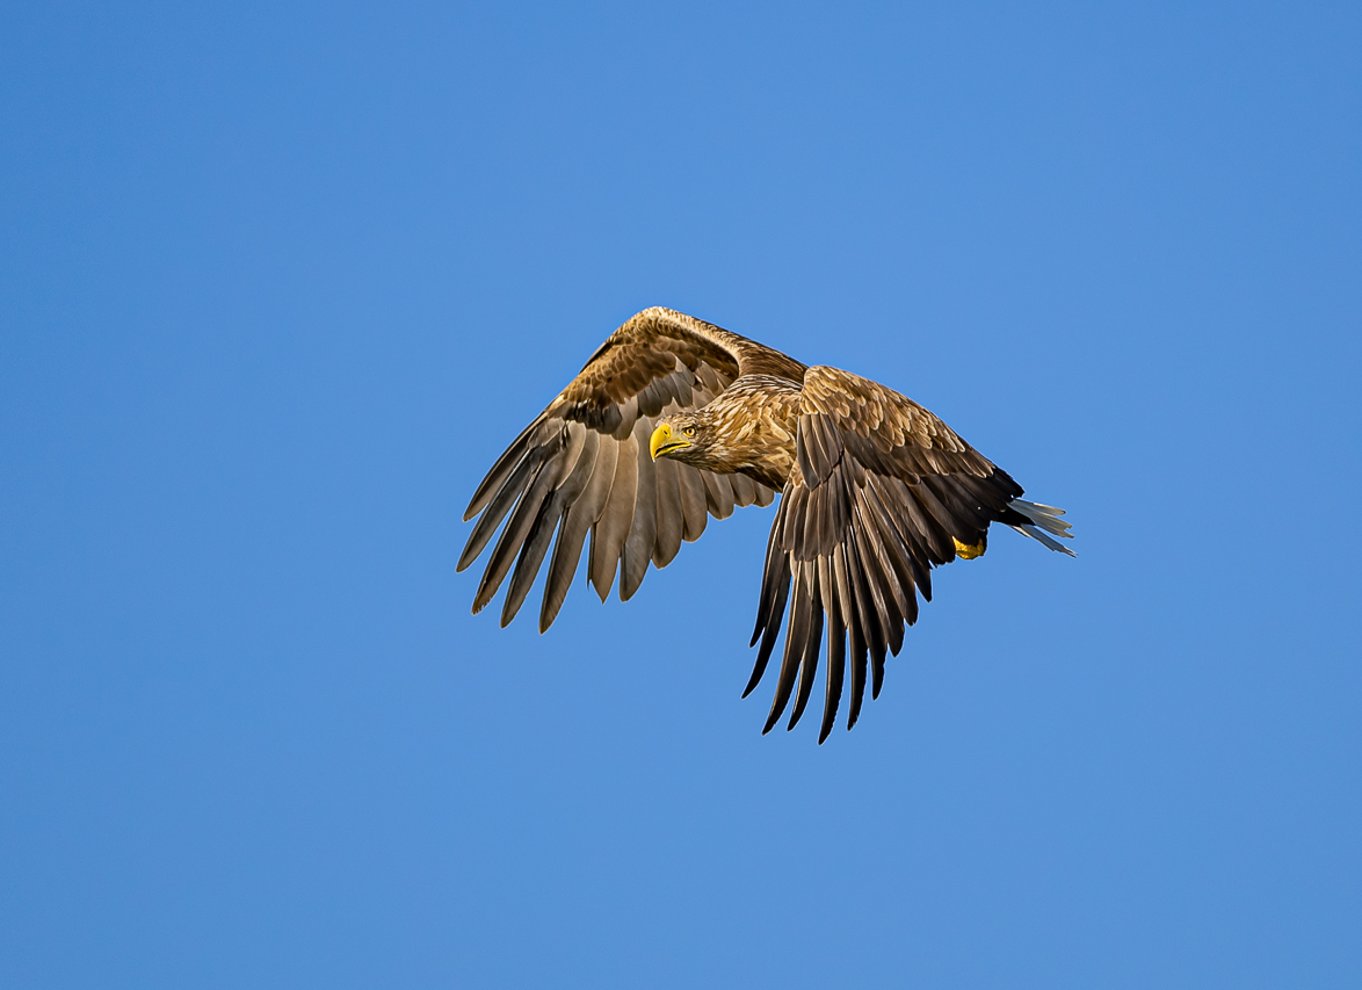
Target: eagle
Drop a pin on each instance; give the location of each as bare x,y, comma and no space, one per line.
674,420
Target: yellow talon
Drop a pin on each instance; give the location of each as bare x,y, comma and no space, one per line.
968,551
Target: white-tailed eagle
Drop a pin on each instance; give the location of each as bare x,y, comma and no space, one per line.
674,420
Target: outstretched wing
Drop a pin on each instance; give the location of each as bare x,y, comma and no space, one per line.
582,467
883,491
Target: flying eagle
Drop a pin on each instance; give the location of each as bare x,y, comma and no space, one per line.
674,420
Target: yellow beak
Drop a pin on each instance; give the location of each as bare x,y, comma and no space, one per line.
664,442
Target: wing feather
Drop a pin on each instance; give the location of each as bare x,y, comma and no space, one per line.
797,638
638,544
670,521
572,532
693,504
832,604
748,492
600,568
719,496
775,591
808,661
532,553
614,523
858,657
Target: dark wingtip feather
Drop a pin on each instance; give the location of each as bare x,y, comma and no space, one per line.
835,673
772,719
796,643
531,557
775,590
808,667
755,679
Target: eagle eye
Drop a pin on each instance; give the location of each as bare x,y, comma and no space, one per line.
688,430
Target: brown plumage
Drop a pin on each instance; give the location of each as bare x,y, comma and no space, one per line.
674,420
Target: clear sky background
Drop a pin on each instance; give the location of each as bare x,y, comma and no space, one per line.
277,284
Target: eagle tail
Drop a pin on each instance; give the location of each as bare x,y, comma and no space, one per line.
1044,524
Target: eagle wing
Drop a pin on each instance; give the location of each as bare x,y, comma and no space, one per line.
883,490
583,467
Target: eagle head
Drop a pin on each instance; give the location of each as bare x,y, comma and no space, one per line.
677,434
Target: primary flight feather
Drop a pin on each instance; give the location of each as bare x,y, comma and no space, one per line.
674,420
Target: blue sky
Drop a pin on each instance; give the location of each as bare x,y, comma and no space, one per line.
279,282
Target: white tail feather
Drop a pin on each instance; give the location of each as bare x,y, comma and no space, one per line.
1045,522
